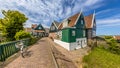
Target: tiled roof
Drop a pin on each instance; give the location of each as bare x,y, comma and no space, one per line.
34,26
117,37
73,19
60,26
88,21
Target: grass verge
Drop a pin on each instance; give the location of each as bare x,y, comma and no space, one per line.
101,58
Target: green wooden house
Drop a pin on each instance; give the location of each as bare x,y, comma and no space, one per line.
53,29
72,32
38,30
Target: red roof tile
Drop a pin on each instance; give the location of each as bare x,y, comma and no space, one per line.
88,21
73,19
117,37
34,26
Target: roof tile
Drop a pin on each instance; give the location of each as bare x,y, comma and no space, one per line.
73,19
88,21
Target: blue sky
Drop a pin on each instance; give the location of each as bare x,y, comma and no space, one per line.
46,11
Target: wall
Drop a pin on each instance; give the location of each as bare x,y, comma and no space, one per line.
59,33
65,35
63,44
69,35
73,45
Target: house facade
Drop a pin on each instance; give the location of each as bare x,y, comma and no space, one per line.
38,30
53,30
75,31
71,32
90,24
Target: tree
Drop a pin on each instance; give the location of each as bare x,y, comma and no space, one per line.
22,34
11,23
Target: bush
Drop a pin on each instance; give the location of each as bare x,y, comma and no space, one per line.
113,46
33,40
22,35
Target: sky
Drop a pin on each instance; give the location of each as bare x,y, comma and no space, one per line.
46,11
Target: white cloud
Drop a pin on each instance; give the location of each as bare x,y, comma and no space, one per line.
45,11
108,21
108,17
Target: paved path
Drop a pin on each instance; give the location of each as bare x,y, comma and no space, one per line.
39,57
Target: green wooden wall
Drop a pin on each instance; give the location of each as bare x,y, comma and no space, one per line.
67,35
79,31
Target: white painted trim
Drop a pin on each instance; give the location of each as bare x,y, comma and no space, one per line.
63,44
78,17
72,45
93,19
55,25
59,25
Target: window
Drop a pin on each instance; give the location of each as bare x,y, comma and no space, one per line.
84,33
73,33
39,28
82,21
94,34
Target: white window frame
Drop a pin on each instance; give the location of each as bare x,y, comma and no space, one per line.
73,32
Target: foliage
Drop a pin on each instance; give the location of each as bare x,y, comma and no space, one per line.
113,46
108,37
11,23
110,40
33,40
101,58
22,34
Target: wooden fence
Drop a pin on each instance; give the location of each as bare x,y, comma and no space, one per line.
9,48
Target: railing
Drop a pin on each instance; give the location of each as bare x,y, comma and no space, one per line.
8,49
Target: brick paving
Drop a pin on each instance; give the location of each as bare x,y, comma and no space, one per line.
39,56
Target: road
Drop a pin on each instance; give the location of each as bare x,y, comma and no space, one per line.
39,56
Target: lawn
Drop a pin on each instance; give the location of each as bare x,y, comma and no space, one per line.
100,58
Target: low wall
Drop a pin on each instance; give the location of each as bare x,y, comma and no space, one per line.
63,44
80,43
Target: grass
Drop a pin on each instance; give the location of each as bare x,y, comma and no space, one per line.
100,58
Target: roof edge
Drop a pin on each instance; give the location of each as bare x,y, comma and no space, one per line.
78,17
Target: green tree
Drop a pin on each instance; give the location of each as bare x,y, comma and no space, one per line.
11,23
22,34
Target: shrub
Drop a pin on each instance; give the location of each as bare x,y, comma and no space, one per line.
21,35
33,40
113,46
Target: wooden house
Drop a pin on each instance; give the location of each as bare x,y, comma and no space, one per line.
38,30
29,30
90,24
53,29
71,32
